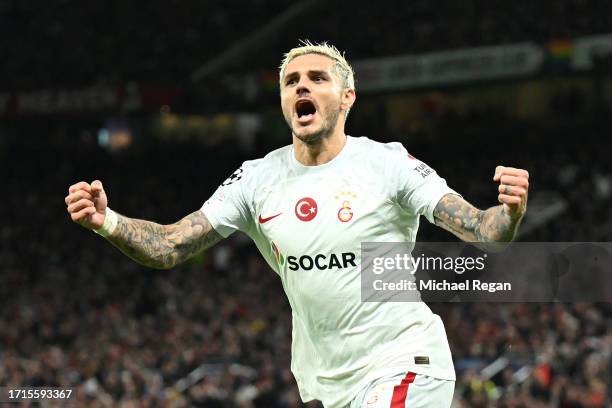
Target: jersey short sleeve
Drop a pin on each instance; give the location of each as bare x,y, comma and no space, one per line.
417,187
227,210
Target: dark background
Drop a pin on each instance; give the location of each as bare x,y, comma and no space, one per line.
163,100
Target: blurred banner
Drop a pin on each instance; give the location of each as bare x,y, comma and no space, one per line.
436,69
448,67
94,99
477,64
587,50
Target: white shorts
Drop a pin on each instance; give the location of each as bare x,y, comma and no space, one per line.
406,391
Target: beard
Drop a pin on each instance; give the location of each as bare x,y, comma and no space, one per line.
327,127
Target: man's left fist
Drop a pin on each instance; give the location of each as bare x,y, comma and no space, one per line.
513,187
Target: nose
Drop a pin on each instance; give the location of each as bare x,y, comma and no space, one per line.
302,87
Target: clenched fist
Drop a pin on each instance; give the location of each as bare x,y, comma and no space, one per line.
513,187
86,204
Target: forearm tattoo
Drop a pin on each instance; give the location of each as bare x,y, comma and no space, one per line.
470,224
163,246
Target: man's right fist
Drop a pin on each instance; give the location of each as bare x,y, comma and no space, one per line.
86,204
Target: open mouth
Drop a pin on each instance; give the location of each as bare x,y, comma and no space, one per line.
305,110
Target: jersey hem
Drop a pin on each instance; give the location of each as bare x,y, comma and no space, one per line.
400,369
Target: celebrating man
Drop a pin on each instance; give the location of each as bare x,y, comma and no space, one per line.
308,207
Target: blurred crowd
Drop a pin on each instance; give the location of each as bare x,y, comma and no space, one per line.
423,26
551,355
216,331
71,43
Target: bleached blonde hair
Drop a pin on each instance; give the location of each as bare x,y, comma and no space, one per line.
342,68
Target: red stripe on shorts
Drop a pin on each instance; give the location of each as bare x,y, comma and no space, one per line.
400,392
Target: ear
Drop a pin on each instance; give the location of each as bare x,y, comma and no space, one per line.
348,99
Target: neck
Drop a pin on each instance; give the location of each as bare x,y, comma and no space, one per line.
321,152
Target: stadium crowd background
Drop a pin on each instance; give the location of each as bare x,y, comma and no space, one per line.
164,41
216,331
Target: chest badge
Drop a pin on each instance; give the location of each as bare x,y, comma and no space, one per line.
306,209
345,213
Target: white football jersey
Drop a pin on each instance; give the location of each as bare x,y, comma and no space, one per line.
309,222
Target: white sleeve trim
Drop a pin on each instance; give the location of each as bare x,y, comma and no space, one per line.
223,230
435,200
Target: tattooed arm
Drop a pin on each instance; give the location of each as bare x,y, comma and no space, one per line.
151,244
470,224
163,246
497,224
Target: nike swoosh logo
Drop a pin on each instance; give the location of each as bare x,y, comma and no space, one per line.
264,220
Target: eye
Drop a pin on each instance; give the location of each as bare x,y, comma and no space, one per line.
318,78
290,81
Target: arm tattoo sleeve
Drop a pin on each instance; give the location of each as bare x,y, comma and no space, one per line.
163,246
470,224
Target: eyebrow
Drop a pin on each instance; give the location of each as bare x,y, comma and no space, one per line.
310,72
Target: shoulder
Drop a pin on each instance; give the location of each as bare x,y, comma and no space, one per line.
378,150
275,162
276,158
364,143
